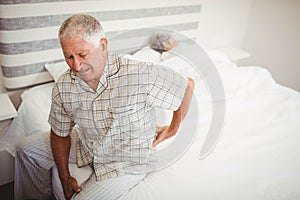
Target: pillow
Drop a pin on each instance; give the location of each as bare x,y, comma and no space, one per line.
147,54
166,55
35,108
56,69
32,115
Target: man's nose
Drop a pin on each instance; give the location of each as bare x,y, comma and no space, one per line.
77,64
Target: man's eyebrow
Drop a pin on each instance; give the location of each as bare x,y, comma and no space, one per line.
77,53
83,51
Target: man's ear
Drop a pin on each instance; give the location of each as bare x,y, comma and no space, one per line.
103,44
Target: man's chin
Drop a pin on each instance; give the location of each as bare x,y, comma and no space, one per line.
84,76
90,81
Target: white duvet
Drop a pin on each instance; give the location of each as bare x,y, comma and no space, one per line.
257,156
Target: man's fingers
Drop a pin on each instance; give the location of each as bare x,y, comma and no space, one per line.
75,186
158,139
71,187
159,135
158,130
78,190
155,142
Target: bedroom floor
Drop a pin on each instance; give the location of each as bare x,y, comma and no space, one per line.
7,191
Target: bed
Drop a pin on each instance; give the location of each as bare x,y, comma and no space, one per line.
255,156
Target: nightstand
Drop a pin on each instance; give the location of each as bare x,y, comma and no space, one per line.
235,54
7,110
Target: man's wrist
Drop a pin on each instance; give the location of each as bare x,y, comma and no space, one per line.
65,176
176,121
174,127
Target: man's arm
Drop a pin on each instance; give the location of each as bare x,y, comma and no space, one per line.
166,132
60,147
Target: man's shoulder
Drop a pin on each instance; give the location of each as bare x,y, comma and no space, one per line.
66,77
64,82
128,65
128,60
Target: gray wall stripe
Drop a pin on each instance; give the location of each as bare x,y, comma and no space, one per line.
9,24
56,20
32,46
22,70
183,27
4,2
25,69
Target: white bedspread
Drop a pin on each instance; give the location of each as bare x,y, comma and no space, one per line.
257,157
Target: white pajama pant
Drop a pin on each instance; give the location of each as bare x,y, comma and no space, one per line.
33,165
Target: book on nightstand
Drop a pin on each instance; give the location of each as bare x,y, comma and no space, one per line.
7,109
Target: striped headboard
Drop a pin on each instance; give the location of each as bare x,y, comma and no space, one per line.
28,29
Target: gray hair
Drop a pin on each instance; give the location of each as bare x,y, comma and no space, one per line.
156,42
83,26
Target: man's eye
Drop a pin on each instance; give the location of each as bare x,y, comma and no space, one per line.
68,57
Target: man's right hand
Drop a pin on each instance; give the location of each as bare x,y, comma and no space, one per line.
70,187
60,147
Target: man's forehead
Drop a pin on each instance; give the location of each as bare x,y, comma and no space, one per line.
75,43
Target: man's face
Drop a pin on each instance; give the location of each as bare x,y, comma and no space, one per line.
84,59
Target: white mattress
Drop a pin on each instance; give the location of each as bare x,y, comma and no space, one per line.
257,157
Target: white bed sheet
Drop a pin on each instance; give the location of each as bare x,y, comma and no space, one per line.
257,157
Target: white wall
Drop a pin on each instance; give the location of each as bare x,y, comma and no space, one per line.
268,29
273,38
223,23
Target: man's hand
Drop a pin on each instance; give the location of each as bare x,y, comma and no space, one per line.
163,133
70,187
60,147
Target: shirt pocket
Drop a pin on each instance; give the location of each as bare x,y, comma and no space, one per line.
121,117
